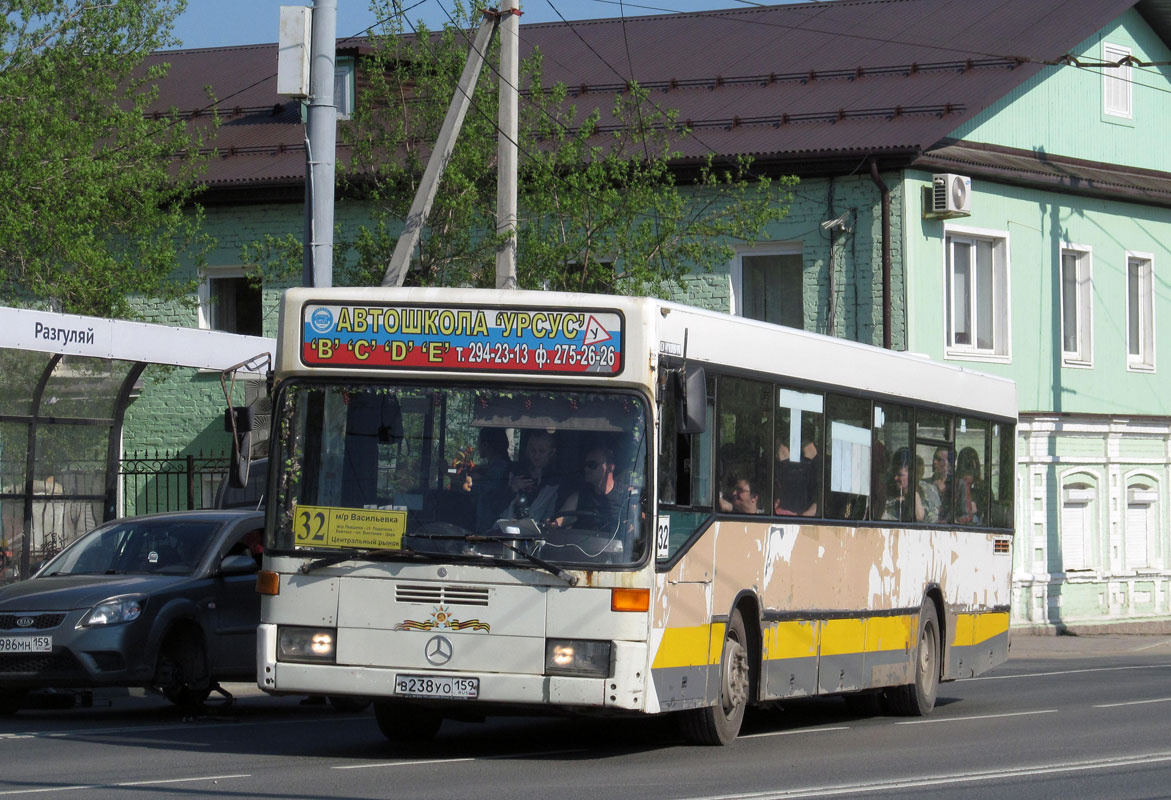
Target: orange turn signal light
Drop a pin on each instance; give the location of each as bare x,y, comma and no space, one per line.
268,582
630,599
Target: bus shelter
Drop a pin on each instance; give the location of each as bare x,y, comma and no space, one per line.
65,384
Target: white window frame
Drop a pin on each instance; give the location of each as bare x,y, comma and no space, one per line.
1117,81
736,269
204,291
1001,351
343,73
1083,355
1144,360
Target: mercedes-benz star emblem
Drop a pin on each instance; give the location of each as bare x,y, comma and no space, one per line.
438,650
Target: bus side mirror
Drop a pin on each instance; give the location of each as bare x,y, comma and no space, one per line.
693,399
239,421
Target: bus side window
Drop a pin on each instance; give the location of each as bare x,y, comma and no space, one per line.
684,472
848,467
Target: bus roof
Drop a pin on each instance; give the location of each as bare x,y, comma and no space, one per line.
651,327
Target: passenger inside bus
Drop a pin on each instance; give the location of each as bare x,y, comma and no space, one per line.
535,485
937,488
969,487
743,497
600,500
795,482
490,477
902,501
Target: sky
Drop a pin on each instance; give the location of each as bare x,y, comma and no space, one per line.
218,23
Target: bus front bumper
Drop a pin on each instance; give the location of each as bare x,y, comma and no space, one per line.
624,689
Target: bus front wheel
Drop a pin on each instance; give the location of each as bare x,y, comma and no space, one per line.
720,724
918,698
406,723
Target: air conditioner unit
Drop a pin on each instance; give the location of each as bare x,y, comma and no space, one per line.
949,196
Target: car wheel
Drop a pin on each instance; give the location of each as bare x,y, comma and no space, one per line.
349,703
10,701
406,723
182,674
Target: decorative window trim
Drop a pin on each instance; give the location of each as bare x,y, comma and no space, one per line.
344,68
1002,295
1083,357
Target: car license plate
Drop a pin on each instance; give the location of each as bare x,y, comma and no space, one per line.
26,644
437,686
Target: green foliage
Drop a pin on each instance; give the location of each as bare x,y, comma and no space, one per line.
600,207
92,197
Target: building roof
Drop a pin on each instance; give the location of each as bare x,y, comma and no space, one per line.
808,88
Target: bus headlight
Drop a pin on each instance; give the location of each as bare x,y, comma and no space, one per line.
580,657
315,645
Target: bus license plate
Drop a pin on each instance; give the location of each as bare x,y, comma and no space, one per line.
26,644
437,686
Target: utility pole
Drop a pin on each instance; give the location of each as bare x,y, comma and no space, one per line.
321,147
506,151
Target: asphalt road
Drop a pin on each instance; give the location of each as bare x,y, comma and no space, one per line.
1064,717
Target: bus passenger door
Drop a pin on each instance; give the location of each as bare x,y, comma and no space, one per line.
682,653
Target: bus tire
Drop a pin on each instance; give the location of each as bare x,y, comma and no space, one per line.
918,698
720,724
406,723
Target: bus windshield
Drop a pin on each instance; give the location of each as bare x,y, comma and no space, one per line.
462,473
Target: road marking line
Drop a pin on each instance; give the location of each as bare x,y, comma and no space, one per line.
404,763
981,716
1163,643
186,726
999,774
1064,672
458,760
1134,703
45,789
790,733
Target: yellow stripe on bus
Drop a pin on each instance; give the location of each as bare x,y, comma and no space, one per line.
841,637
976,628
889,633
796,639
684,647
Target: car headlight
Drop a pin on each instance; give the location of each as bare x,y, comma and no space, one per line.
580,657
114,611
315,645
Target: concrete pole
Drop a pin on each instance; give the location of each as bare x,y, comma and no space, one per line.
322,144
506,148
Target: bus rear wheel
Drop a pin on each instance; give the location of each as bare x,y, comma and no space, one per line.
406,723
720,724
918,698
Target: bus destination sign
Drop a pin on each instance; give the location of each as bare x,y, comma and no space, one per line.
462,338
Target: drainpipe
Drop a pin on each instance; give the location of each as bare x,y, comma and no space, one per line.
882,187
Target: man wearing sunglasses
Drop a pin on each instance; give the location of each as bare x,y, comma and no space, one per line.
598,502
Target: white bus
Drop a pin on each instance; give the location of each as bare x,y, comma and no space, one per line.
489,502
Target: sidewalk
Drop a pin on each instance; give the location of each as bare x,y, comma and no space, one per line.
1025,644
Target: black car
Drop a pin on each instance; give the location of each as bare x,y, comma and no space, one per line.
164,601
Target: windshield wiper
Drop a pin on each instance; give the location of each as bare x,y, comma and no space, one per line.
355,555
552,569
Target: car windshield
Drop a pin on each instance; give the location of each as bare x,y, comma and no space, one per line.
463,473
162,546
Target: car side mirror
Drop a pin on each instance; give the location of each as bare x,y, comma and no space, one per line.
238,564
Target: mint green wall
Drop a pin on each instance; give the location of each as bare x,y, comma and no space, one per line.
855,279
1059,111
1038,223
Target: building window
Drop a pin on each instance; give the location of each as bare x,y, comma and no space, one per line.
229,301
1141,522
769,286
1140,312
1076,307
343,87
1077,526
977,295
1116,82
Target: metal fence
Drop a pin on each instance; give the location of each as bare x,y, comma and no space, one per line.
170,482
